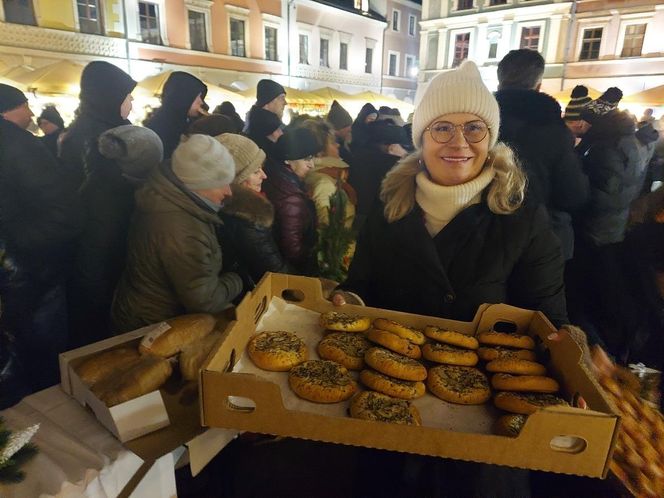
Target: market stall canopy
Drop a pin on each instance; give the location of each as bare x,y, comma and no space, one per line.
563,96
62,77
331,94
652,96
152,86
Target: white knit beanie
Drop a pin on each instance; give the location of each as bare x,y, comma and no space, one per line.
456,91
201,162
248,156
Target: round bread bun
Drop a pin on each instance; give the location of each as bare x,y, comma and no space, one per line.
490,353
509,425
524,383
370,405
518,341
451,337
449,355
395,365
346,349
525,403
515,366
462,385
277,351
393,342
397,388
343,322
413,335
321,381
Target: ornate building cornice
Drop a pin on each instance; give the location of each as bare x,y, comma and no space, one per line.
332,76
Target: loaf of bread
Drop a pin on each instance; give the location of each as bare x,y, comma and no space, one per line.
170,337
193,356
101,365
142,376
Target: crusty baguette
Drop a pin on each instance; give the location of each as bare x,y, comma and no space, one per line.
101,365
193,355
170,337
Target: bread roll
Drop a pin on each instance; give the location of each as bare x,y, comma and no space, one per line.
144,375
101,365
171,336
193,355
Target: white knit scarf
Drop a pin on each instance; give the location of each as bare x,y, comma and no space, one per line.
441,203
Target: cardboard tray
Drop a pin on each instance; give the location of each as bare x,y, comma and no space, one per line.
556,439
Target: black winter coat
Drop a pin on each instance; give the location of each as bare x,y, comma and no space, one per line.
171,120
295,217
613,160
248,243
369,167
530,123
479,257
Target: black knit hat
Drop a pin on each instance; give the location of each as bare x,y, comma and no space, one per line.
267,91
263,122
386,133
51,114
606,103
338,117
10,97
297,143
578,100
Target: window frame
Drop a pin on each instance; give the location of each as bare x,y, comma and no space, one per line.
453,47
24,17
398,24
406,69
100,17
623,37
326,62
583,40
522,33
157,18
414,24
202,7
307,35
397,60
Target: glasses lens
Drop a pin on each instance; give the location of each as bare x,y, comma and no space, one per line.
442,131
475,131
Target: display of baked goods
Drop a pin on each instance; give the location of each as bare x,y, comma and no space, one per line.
526,403
515,366
346,349
450,355
343,322
509,425
524,383
172,336
277,351
370,405
397,388
461,385
321,381
451,337
413,335
510,340
194,355
104,364
489,353
393,342
395,365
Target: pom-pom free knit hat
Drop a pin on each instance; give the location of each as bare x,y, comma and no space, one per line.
579,99
201,162
338,117
267,91
51,114
10,97
460,90
297,143
136,149
606,103
247,155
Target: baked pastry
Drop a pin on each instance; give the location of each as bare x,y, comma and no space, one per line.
462,385
450,355
101,365
515,366
525,403
346,349
451,337
277,351
321,381
527,383
413,335
343,322
489,353
170,337
509,425
194,355
370,405
397,388
395,365
494,338
143,375
395,343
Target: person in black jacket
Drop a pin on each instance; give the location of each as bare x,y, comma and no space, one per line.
52,125
182,99
530,123
105,103
358,130
40,218
227,109
265,131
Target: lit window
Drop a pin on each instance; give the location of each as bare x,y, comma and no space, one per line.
530,38
633,42
461,48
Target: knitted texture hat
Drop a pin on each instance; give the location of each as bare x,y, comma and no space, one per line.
297,143
579,99
263,123
458,91
248,156
201,162
51,114
10,97
338,117
606,103
136,150
267,91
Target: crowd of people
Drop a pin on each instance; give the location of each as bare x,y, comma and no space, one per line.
479,198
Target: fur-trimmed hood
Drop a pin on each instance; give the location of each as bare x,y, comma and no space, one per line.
249,206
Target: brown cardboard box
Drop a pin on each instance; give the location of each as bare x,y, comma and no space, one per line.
560,439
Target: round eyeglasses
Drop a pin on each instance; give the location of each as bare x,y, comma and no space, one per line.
444,131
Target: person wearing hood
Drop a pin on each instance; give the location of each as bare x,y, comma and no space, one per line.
248,216
174,258
530,123
266,128
227,109
295,213
105,102
182,101
358,130
341,123
131,154
52,125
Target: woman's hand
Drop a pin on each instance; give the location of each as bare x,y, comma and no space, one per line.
338,298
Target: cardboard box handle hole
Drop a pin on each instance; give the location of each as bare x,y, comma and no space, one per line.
568,444
260,309
293,295
506,327
240,404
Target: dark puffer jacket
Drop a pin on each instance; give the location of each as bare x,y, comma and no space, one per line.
295,217
247,239
530,123
613,160
171,120
103,89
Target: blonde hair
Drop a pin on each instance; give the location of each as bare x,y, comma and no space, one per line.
505,192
